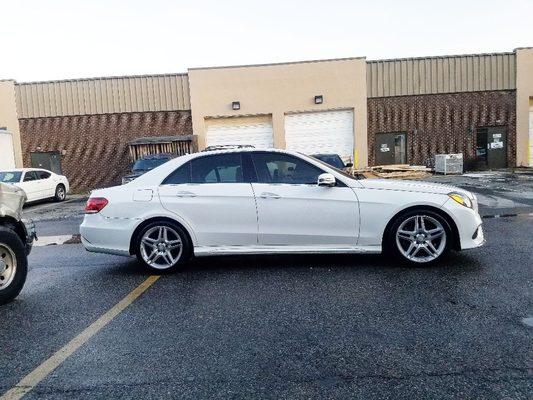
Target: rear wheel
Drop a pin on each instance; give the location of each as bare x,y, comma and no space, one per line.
162,246
419,238
13,265
61,193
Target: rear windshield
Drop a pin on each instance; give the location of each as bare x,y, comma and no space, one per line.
10,176
147,165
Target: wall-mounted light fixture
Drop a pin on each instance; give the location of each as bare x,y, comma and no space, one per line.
236,105
319,99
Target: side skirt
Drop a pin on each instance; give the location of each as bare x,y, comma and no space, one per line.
202,251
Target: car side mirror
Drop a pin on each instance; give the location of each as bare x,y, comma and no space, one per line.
349,165
326,179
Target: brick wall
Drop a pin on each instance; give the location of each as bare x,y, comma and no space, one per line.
96,152
442,122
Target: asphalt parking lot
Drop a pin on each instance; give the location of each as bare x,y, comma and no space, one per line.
274,327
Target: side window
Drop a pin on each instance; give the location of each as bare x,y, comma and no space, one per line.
179,176
43,174
223,168
30,176
284,168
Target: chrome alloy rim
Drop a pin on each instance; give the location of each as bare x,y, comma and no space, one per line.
60,193
8,266
421,238
161,247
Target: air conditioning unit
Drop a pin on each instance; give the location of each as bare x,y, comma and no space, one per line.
449,163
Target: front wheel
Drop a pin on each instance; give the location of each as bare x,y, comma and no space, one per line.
162,246
13,265
419,237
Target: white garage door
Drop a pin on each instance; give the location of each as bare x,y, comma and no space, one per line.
321,132
7,157
252,131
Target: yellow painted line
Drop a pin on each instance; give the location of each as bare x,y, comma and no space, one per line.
42,371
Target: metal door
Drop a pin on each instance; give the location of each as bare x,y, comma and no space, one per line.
391,148
496,147
50,160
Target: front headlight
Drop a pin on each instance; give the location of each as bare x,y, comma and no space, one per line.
461,199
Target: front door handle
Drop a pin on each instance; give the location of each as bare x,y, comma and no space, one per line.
185,194
268,195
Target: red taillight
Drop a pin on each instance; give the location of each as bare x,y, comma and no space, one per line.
95,205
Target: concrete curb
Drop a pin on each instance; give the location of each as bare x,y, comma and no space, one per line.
56,240
506,215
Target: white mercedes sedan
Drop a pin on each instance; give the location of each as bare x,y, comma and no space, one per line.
249,201
38,184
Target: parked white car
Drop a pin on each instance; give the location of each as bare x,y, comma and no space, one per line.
38,184
248,201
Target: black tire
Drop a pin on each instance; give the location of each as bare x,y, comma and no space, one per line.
184,255
392,248
61,193
10,240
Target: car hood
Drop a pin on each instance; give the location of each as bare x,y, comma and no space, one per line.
12,199
411,186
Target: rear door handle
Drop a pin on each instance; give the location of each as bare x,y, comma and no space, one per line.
268,195
185,194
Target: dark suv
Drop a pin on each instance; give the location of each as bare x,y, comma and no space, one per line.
145,164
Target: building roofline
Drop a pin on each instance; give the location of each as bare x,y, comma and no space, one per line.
103,78
440,57
279,63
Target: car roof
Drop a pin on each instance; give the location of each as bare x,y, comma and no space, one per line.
240,150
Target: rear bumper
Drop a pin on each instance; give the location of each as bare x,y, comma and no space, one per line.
100,234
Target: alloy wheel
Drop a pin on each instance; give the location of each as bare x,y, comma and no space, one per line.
60,193
8,266
161,247
421,238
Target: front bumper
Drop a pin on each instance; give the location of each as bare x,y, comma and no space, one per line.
31,234
468,223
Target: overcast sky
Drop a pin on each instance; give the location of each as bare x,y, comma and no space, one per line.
60,39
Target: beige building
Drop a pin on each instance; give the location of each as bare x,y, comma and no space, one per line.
368,111
313,107
10,145
524,106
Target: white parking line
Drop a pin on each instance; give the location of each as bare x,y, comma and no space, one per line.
42,371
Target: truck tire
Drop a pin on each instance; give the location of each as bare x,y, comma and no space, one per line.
13,265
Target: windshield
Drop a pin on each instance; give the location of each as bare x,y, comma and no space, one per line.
147,165
340,171
10,176
332,159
